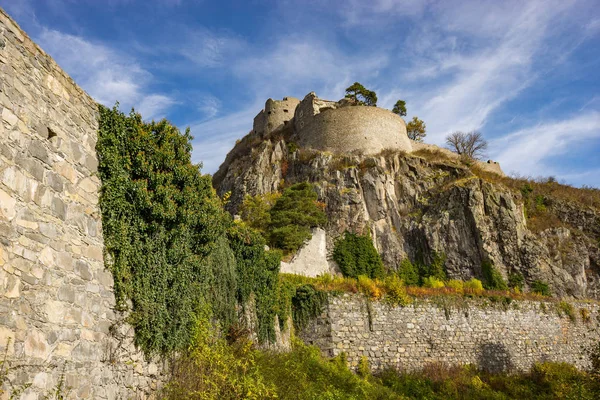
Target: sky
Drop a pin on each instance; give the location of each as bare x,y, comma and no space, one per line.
526,74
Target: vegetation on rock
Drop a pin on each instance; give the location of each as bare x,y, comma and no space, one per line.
293,215
400,108
356,255
416,129
361,95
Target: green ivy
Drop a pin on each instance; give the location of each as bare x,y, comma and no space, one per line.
257,272
161,223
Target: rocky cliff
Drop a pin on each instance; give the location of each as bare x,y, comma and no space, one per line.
421,204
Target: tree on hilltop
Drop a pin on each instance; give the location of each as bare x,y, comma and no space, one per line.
361,95
471,144
415,129
400,108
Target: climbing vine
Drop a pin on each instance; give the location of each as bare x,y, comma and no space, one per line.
164,230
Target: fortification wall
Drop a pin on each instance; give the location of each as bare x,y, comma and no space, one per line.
360,129
496,337
56,299
275,114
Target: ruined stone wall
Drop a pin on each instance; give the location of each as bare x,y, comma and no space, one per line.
494,336
276,114
56,298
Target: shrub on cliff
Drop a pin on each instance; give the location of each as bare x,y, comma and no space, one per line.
293,215
356,255
492,279
408,272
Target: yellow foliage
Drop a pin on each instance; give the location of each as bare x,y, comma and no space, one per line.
473,286
456,284
433,282
369,287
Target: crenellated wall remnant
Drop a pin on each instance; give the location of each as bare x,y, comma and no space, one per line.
56,301
497,336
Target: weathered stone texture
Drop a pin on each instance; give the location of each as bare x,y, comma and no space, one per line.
496,337
56,299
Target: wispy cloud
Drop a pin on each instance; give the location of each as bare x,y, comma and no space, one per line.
106,74
527,150
155,106
208,49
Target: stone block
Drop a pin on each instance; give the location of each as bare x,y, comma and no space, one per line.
7,205
38,150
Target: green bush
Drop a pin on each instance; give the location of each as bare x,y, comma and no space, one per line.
293,215
409,273
540,288
356,255
456,284
492,279
255,210
516,281
436,268
395,291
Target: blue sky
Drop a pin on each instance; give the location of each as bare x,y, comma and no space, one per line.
524,73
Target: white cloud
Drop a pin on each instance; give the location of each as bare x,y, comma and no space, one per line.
209,49
213,139
210,106
476,66
154,106
106,74
527,151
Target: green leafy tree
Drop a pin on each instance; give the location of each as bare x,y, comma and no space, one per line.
415,129
361,95
409,273
293,215
400,108
356,255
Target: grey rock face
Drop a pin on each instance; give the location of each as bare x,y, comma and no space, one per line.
416,208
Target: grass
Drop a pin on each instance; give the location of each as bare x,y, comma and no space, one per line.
213,369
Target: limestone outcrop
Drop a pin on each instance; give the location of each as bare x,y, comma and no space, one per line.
416,206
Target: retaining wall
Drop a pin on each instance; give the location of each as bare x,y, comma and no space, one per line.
494,336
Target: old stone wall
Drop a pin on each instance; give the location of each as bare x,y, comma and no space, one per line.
360,129
275,114
56,298
493,336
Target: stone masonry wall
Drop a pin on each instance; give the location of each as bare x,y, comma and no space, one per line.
493,336
56,299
